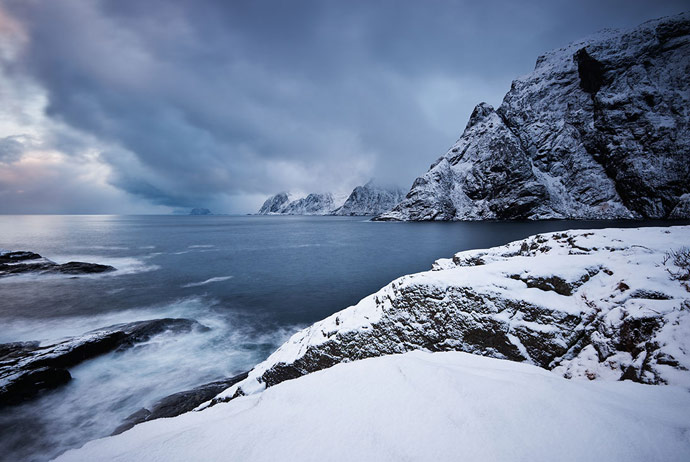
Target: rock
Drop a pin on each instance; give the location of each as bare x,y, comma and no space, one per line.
599,130
12,263
200,211
27,368
552,300
370,199
179,403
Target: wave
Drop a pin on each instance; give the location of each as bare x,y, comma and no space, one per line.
207,281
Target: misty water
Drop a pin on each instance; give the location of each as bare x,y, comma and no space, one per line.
253,280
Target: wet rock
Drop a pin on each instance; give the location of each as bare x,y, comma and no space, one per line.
179,403
22,262
27,368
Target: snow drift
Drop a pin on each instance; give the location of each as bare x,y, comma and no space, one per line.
421,407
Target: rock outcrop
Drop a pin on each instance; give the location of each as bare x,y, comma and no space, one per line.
599,129
605,304
27,368
370,199
20,262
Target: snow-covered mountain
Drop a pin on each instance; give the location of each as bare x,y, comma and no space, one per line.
599,129
275,204
371,199
608,304
313,204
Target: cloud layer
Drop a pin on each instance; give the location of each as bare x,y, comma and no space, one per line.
165,104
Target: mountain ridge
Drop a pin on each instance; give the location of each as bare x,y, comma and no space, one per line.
599,130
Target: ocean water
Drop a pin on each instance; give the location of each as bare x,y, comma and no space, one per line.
254,280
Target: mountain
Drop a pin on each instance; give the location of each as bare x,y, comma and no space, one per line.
275,204
599,129
313,204
370,199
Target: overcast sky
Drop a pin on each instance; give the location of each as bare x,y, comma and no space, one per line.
132,106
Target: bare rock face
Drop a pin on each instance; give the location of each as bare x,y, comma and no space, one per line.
599,129
604,304
370,199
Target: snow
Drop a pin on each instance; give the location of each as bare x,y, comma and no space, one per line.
592,263
421,407
534,157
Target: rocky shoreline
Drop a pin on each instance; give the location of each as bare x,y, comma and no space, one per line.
28,368
609,304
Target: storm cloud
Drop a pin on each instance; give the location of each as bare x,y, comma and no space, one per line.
181,103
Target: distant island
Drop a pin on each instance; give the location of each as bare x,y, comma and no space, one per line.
200,211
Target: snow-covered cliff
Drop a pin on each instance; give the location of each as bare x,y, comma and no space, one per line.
599,129
371,199
608,304
312,204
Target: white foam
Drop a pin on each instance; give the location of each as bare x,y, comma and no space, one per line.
207,281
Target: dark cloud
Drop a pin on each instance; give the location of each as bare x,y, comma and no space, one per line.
206,102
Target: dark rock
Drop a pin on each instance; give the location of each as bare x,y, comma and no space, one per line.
200,211
179,403
27,368
27,384
12,263
14,257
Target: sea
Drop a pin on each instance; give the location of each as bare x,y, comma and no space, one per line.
253,280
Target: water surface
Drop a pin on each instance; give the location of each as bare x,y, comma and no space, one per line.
253,279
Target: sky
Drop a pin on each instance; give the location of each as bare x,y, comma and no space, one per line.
158,106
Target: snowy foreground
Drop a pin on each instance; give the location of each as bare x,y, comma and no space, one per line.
422,407
560,325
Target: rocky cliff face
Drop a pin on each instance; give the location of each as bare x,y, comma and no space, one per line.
370,199
609,304
313,204
275,204
599,129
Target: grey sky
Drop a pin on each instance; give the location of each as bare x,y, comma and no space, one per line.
130,106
